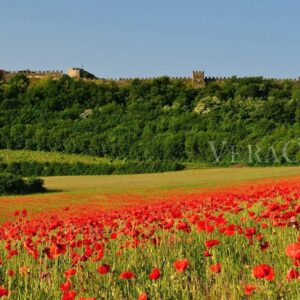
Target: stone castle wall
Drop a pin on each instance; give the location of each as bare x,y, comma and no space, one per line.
32,74
198,78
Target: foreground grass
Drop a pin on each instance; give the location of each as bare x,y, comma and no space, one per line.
251,229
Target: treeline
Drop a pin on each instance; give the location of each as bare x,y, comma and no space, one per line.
59,169
11,184
154,120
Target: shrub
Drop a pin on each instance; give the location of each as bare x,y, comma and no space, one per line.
25,168
13,184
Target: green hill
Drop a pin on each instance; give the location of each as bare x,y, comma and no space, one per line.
39,163
8,156
237,121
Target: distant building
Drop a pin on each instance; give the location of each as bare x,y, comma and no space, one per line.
198,78
80,73
74,72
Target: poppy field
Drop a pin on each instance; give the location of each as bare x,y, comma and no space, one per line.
238,242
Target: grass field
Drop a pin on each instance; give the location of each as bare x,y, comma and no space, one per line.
187,179
116,191
7,155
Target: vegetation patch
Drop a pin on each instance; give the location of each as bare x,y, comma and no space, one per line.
11,185
41,163
236,121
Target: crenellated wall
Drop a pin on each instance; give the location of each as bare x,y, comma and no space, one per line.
214,78
198,78
33,74
147,78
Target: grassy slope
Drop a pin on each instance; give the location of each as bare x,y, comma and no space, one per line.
115,191
41,156
140,183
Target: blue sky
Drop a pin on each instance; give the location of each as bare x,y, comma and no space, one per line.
117,38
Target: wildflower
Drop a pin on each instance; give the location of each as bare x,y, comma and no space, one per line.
65,286
103,269
207,253
293,250
248,289
181,265
263,271
69,273
292,274
3,291
142,296
127,275
70,295
155,274
216,268
211,243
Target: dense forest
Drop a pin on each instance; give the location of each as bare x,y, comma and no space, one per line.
235,121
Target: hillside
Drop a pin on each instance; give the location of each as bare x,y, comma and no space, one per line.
41,163
152,120
8,156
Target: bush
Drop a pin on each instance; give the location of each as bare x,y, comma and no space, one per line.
35,185
60,169
13,184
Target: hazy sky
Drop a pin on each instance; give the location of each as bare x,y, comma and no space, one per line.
118,38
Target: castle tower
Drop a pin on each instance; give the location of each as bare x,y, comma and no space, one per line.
198,78
75,72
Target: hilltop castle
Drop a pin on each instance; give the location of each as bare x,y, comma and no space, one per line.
198,78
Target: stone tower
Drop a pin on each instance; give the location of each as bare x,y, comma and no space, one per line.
75,72
199,78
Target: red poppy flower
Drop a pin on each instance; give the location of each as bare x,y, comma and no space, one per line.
211,243
3,291
142,296
104,269
263,271
216,268
155,274
69,295
70,273
248,289
293,250
184,226
127,275
113,236
292,274
65,286
207,253
55,250
296,262
181,265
